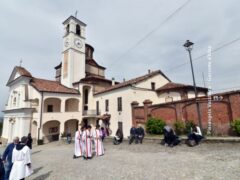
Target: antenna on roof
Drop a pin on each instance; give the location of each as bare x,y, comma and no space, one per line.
20,63
76,14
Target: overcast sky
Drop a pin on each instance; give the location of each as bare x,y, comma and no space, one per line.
33,31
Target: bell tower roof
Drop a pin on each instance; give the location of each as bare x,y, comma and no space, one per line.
75,19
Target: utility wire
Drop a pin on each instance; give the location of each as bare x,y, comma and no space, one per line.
203,55
150,33
235,87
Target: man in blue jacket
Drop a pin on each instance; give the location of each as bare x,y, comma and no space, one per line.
7,157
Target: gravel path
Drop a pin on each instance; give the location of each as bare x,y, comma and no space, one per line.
141,162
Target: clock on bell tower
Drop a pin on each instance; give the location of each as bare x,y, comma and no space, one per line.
73,55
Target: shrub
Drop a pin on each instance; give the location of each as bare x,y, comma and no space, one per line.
236,126
155,126
179,127
188,125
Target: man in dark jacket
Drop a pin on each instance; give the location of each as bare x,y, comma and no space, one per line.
140,133
133,134
7,157
29,141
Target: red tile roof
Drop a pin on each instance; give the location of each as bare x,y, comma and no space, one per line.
94,78
22,71
133,81
44,85
174,86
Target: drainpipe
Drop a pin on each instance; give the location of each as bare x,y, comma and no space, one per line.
41,111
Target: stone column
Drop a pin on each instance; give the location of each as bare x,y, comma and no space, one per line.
61,130
146,104
133,105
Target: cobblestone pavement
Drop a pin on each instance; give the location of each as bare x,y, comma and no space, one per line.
141,162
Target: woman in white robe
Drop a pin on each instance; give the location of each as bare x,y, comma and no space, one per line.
87,141
21,159
97,134
78,147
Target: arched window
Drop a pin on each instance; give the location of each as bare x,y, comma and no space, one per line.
67,29
78,30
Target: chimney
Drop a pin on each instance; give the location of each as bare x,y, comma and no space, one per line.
149,71
113,81
124,80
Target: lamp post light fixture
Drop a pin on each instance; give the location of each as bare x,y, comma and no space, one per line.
189,46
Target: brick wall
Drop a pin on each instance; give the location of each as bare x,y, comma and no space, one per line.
223,111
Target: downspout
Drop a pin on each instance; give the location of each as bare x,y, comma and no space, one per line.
40,124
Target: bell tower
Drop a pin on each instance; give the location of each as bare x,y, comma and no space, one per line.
73,55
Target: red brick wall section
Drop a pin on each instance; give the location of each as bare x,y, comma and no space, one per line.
165,113
221,120
223,112
235,105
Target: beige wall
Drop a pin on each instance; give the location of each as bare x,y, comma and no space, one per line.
128,94
158,79
94,70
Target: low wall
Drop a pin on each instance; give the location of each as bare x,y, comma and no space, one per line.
224,109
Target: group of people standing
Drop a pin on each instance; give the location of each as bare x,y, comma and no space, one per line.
86,140
17,159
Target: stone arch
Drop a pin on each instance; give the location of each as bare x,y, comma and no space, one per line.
71,125
72,105
51,130
52,105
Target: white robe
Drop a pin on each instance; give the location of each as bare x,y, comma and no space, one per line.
87,141
98,142
20,159
78,150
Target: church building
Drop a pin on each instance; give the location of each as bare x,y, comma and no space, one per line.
80,94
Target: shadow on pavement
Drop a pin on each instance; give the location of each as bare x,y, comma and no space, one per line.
36,170
43,176
36,152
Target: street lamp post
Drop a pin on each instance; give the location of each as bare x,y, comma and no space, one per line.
189,46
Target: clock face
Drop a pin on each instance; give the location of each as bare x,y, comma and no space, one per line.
78,43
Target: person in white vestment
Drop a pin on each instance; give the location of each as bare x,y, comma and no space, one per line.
21,159
97,134
87,141
78,147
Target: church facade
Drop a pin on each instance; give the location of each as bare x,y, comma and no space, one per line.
80,94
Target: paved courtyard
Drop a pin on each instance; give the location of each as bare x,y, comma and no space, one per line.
148,161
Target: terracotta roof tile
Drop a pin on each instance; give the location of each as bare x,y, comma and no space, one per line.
132,81
43,85
22,71
94,78
171,86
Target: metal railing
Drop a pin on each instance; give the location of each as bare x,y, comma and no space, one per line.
90,113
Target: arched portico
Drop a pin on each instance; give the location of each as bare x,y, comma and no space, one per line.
72,105
71,125
50,131
52,105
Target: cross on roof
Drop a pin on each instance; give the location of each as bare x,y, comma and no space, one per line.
20,63
76,14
